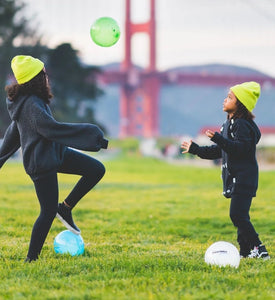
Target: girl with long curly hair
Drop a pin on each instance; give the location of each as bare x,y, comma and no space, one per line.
47,148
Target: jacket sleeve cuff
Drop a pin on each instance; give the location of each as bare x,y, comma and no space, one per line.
104,143
217,138
194,148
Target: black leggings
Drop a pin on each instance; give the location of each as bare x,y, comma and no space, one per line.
239,213
46,188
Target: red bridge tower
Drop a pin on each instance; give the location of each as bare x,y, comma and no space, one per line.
140,89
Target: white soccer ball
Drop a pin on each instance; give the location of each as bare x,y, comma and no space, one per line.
222,254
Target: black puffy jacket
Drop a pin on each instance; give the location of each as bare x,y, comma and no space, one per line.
236,145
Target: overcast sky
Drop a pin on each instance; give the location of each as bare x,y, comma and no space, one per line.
189,32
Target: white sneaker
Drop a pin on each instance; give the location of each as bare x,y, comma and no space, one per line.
259,252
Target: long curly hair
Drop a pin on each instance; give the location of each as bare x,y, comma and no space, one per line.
38,86
242,112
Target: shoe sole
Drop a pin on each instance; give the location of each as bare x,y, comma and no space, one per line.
67,225
260,257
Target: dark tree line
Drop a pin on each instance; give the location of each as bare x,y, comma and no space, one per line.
73,84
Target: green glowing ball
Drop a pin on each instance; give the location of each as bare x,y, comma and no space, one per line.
105,32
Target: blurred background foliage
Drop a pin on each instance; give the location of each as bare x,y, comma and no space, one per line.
73,84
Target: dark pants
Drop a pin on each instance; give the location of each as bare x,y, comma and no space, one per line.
46,188
239,214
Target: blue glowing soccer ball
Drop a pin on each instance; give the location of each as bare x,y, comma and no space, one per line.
68,242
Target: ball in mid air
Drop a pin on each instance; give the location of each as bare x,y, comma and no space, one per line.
105,32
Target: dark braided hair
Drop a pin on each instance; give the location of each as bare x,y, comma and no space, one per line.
242,112
37,86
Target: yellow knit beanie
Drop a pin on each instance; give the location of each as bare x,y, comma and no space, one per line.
247,93
25,68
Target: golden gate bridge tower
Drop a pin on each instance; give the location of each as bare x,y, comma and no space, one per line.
140,89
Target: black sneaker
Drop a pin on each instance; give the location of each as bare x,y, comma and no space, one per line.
64,214
259,252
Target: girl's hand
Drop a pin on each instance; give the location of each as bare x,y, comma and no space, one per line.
209,133
186,145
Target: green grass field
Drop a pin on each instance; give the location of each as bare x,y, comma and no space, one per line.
146,227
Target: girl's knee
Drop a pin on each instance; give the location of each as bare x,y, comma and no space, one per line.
101,170
238,220
95,173
98,170
49,213
235,218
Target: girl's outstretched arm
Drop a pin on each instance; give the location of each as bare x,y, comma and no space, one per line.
205,152
82,136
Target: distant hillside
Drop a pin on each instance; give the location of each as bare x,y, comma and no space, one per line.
218,69
185,109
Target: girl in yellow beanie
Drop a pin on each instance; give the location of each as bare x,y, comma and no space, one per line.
236,145
45,147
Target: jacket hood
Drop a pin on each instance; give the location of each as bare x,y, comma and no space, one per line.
256,131
14,107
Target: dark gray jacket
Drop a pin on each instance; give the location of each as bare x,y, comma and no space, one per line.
236,145
44,140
